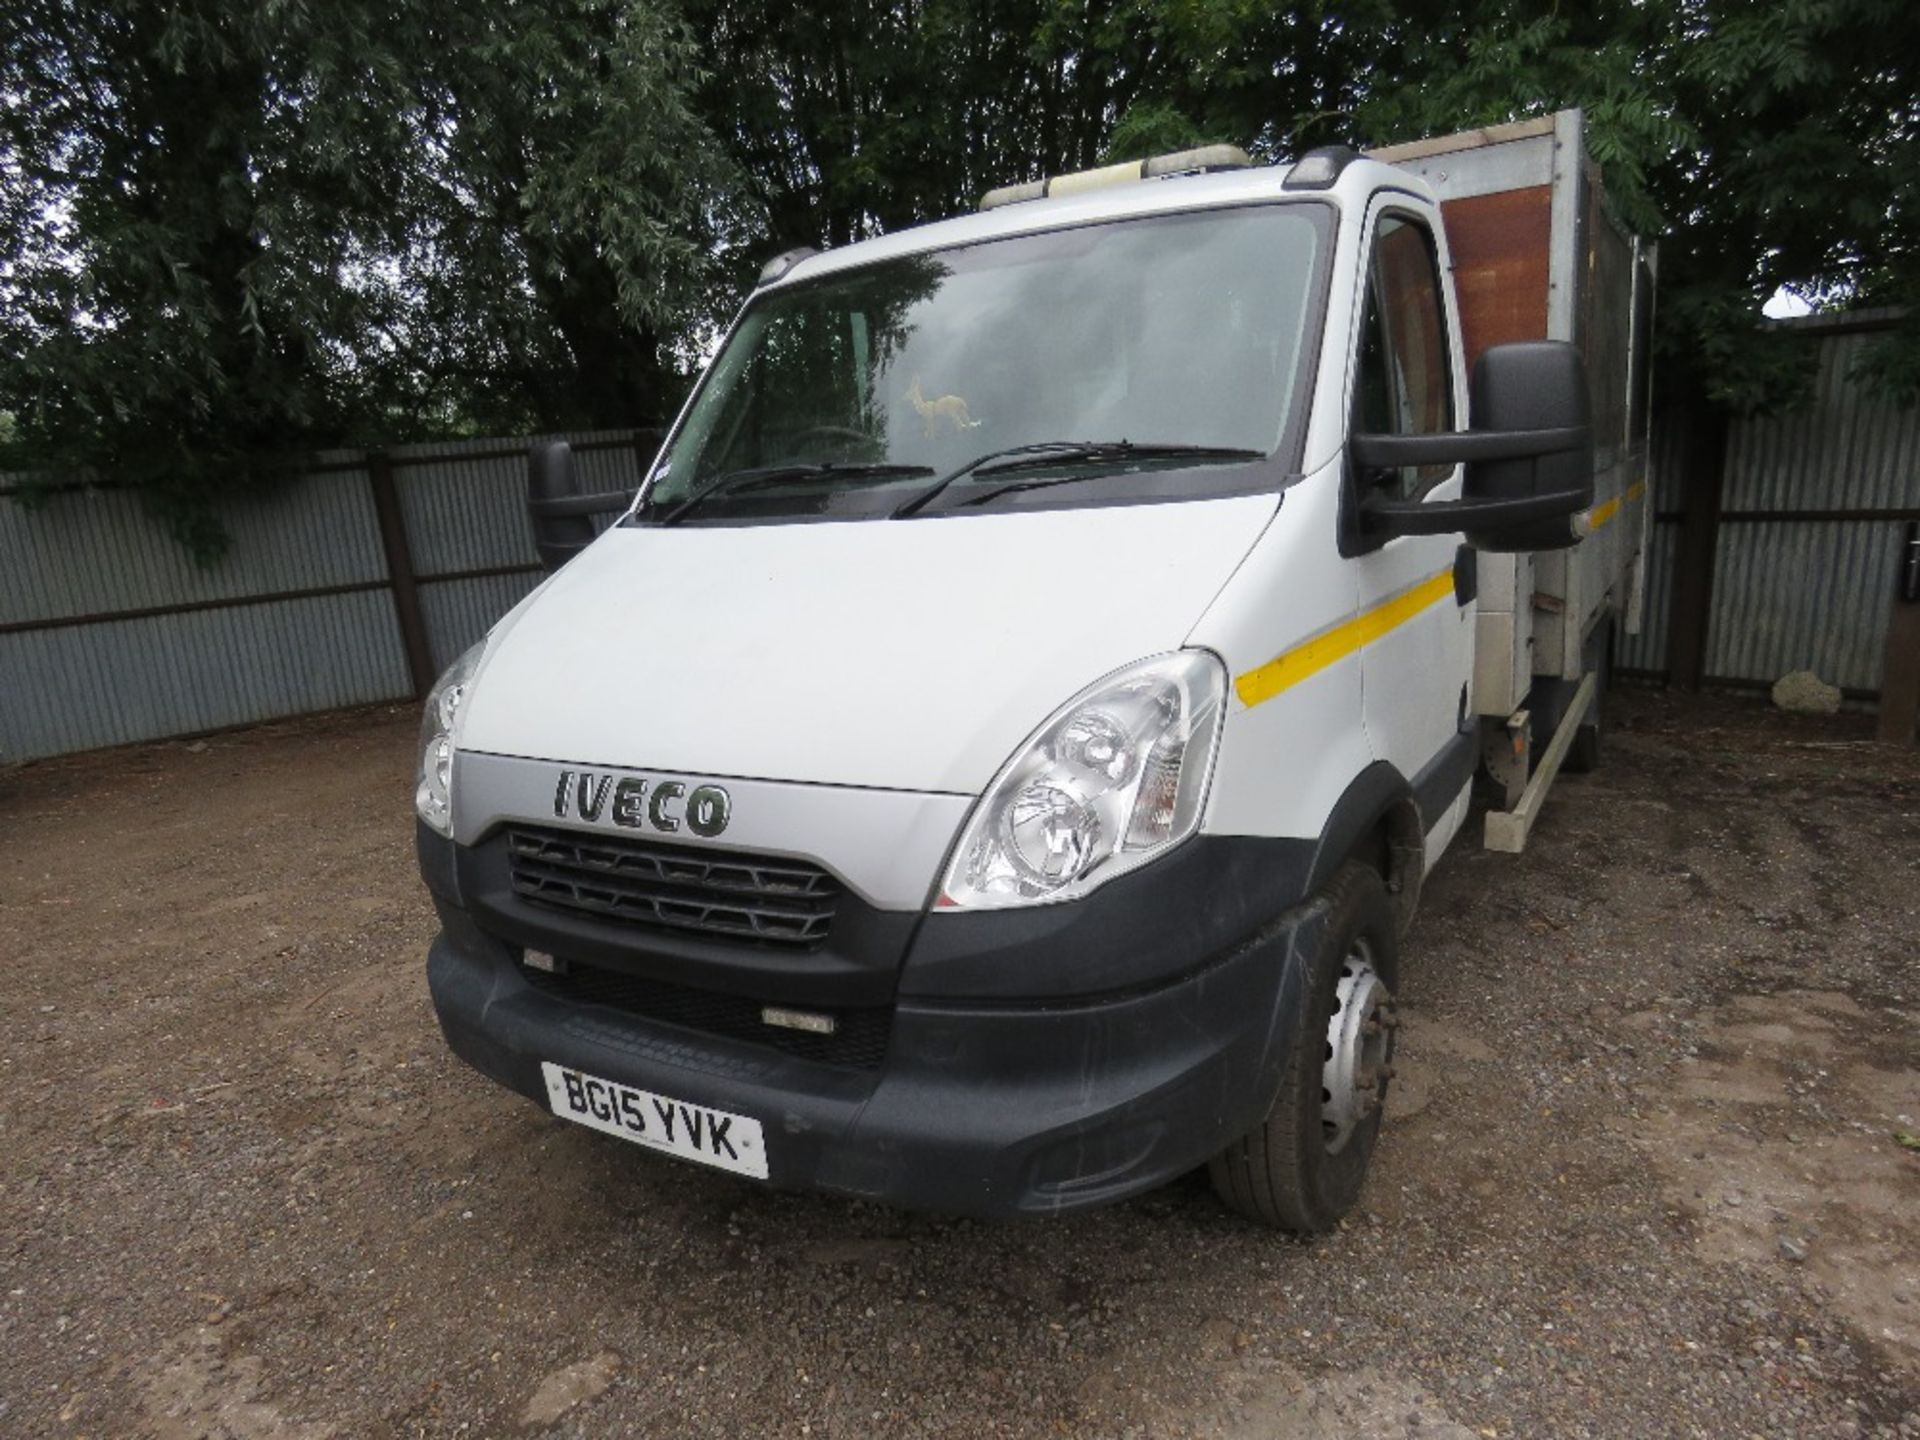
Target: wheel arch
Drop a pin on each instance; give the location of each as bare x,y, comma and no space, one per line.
1377,822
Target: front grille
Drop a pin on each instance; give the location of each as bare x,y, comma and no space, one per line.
859,1039
786,903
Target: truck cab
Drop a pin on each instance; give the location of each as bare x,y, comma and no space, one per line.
990,765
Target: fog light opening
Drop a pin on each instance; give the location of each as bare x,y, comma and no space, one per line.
810,1021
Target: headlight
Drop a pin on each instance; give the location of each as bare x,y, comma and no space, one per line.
1113,779
433,794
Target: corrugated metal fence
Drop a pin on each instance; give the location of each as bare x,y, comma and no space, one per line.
109,632
1812,512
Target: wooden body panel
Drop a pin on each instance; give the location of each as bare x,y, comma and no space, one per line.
1500,244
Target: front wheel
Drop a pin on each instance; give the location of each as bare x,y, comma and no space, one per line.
1302,1167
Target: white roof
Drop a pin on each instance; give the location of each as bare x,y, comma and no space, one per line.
1113,202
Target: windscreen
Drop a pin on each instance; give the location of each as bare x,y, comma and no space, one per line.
1169,331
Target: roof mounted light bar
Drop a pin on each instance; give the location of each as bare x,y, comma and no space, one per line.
1319,168
779,265
1183,162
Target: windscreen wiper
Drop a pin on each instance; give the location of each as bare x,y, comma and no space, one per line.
1045,449
738,481
1065,452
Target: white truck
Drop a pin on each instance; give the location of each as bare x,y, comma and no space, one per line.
991,764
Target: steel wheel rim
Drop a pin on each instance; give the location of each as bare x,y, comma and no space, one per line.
1358,1049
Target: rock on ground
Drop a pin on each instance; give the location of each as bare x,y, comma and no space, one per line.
1804,693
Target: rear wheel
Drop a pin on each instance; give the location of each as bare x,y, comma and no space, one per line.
1550,699
1301,1168
1583,756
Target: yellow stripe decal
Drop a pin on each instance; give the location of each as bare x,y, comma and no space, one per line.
1312,656
1602,513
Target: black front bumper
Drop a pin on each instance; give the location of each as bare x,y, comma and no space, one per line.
980,1106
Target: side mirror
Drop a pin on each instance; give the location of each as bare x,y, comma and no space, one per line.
560,514
1529,458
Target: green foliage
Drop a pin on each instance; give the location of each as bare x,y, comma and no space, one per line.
1892,366
229,234
1149,128
1766,147
232,234
570,214
169,277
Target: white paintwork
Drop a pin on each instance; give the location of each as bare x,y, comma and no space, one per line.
1448,826
1283,764
1116,202
1503,652
823,666
1498,683
1415,677
909,655
885,845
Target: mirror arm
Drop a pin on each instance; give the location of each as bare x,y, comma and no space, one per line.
603,502
1446,517
1455,447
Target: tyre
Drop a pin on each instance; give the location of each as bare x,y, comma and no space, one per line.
1302,1167
1550,699
1583,756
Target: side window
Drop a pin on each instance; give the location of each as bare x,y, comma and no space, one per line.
1406,375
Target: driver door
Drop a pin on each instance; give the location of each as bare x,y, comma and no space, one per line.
1418,588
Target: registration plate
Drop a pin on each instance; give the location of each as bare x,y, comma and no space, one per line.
659,1122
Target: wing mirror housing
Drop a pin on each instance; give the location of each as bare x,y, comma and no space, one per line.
561,515
1529,457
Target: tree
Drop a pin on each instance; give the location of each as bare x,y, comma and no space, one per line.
850,118
179,294
228,234
576,210
1766,148
232,234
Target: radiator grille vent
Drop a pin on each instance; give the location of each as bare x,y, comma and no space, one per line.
786,903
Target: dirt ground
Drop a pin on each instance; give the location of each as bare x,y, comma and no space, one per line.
1643,1175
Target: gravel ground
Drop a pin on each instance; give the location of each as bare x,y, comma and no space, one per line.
1642,1176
